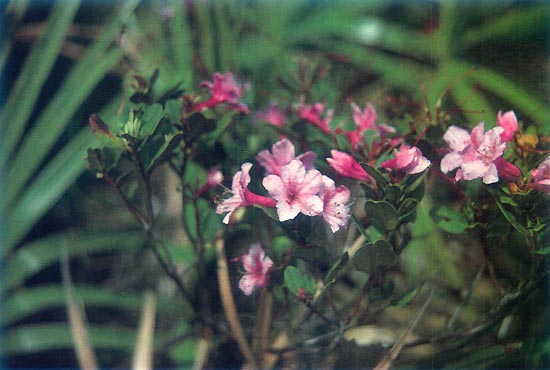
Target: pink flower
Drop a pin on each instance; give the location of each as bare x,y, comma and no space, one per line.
283,152
541,176
241,196
507,170
407,159
272,115
509,123
347,166
474,155
364,119
224,89
213,179
257,266
335,204
295,191
313,113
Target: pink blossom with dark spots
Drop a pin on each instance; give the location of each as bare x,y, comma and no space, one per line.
336,210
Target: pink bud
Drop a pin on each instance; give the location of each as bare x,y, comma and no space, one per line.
345,165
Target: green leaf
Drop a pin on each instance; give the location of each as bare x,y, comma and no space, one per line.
511,216
295,280
391,194
381,182
36,338
543,251
406,209
449,220
514,26
60,172
150,119
80,81
154,155
29,301
373,256
181,47
382,215
406,298
24,94
33,257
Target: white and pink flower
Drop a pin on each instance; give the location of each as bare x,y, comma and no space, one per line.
257,266
241,196
540,176
295,190
407,159
214,178
336,210
476,155
282,152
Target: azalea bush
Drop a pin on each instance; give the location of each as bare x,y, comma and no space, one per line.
310,233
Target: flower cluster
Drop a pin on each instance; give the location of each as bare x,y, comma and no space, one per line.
479,154
294,187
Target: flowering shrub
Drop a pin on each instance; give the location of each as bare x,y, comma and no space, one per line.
328,208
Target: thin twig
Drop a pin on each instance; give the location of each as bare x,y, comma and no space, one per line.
387,360
229,307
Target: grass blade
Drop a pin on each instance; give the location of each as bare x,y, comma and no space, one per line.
33,257
53,336
24,94
56,116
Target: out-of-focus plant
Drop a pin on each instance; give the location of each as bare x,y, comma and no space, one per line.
43,146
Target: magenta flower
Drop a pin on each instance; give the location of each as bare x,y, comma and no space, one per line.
257,266
364,119
509,123
241,196
295,191
283,152
224,89
272,115
476,155
345,165
541,176
335,204
313,114
407,159
213,179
